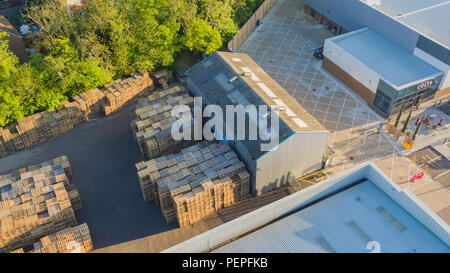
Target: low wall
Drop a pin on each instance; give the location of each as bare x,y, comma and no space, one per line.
40,127
257,218
268,213
250,25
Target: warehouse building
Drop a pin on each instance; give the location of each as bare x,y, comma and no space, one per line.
235,79
358,211
380,71
419,27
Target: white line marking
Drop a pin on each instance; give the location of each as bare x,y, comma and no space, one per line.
266,90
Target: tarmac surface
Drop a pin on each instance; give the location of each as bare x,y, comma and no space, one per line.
438,166
164,240
102,154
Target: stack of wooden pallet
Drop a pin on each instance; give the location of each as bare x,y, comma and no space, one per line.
43,126
208,176
92,102
75,239
7,143
162,77
153,125
120,92
36,201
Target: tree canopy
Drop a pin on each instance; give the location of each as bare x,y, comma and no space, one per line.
105,40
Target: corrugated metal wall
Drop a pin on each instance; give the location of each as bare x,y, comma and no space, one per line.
270,212
301,153
445,82
353,15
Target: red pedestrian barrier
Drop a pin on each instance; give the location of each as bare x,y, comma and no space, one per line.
417,176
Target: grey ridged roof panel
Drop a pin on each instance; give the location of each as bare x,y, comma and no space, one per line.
343,223
389,60
428,17
220,79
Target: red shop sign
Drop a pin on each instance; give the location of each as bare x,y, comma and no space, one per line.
425,84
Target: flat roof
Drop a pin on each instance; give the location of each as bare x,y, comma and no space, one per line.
220,78
345,222
428,17
392,62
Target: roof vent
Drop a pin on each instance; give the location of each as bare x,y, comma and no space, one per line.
233,78
246,74
281,108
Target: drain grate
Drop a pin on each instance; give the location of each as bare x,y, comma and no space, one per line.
359,232
391,219
324,244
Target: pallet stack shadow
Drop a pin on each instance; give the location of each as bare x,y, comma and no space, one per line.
40,127
36,201
75,239
162,78
194,183
153,125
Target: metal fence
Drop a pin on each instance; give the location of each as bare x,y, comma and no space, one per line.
250,25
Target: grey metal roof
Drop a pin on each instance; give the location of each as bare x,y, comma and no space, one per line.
393,63
428,17
213,78
345,222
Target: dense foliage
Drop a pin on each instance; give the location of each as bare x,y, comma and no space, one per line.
109,39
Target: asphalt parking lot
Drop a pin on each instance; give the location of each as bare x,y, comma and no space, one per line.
102,154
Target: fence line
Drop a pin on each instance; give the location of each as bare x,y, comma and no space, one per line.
250,25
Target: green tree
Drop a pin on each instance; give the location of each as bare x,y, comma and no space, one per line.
109,39
397,121
65,75
202,36
418,127
244,9
218,14
18,85
8,60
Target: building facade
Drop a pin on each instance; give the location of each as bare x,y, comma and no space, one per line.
420,27
380,71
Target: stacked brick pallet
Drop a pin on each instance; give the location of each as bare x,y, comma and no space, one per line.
75,239
152,128
43,126
194,183
36,201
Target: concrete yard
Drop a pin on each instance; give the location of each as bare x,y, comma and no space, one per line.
438,166
102,154
283,46
164,240
434,194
